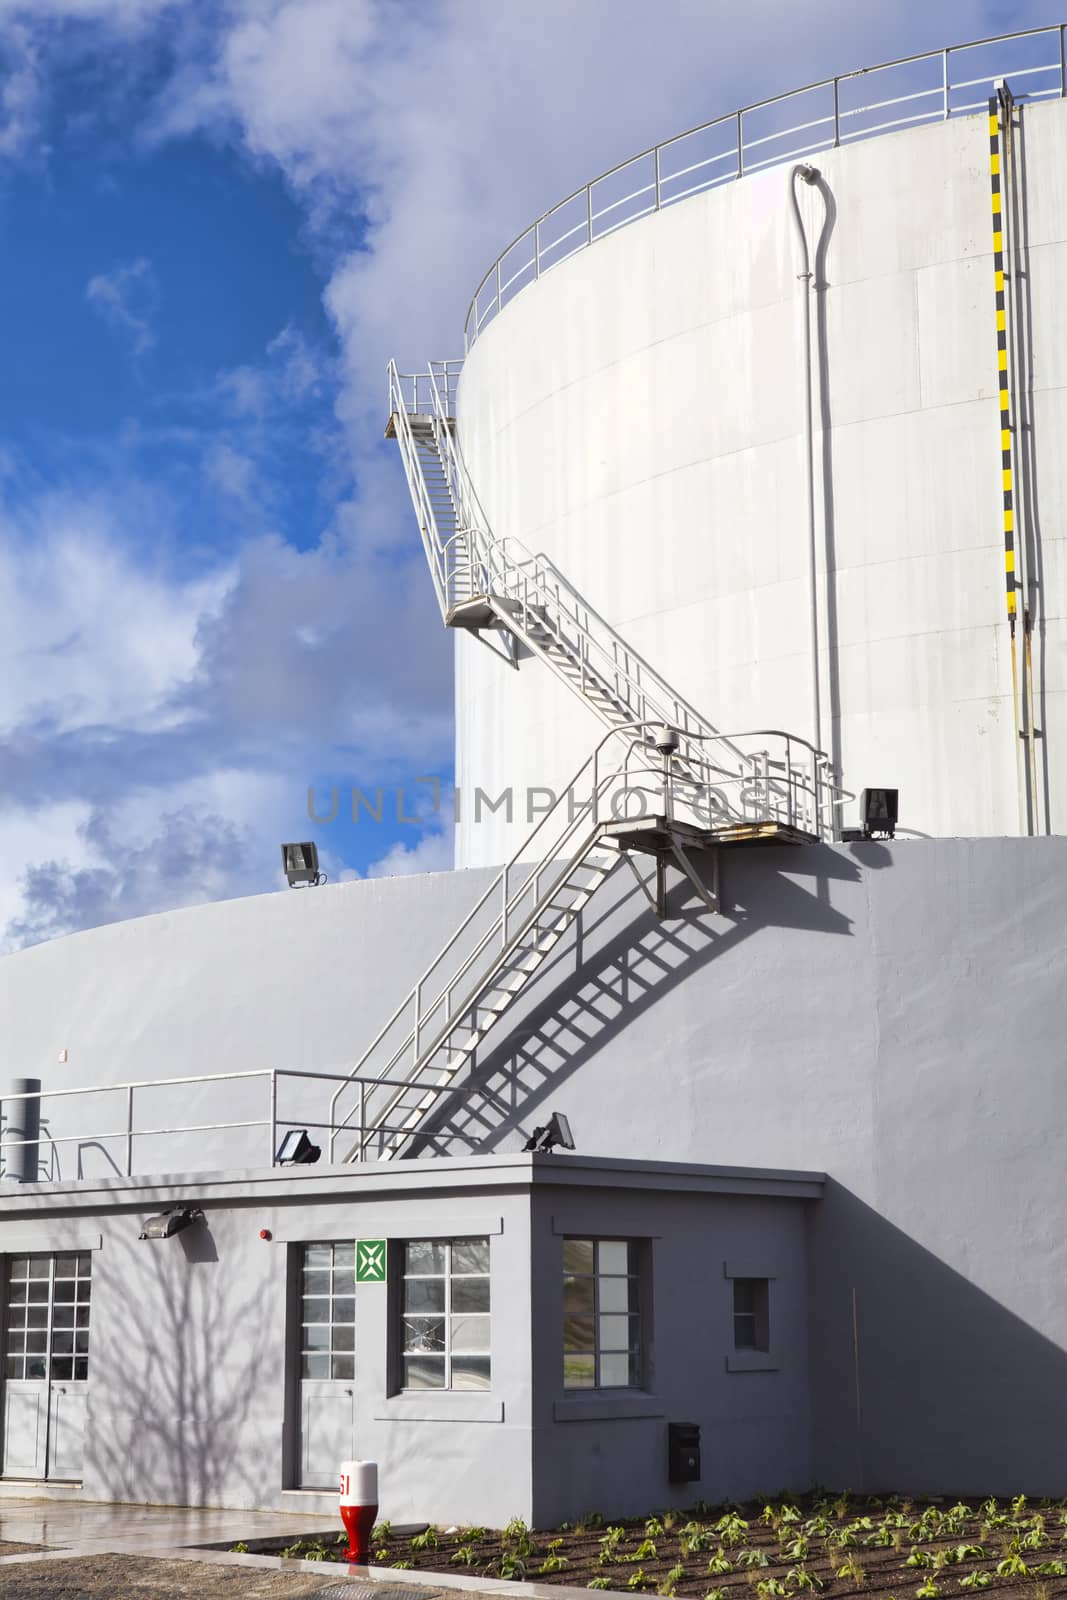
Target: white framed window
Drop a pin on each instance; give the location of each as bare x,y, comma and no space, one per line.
444,1314
328,1311
47,1323
751,1320
601,1314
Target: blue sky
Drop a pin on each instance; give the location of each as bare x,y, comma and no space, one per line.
220,219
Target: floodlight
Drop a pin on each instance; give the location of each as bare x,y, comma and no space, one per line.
556,1131
296,1150
878,812
300,863
169,1222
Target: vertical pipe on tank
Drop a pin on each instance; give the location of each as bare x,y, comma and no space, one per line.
23,1130
809,174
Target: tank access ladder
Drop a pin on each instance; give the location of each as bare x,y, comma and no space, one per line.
631,797
484,582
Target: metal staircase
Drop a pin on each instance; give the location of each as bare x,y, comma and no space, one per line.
661,779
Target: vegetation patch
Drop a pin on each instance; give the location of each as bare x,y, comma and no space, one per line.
838,1545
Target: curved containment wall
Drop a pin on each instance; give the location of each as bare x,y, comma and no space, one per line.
638,415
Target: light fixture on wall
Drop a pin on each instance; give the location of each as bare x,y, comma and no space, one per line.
296,1150
174,1220
878,816
556,1131
300,862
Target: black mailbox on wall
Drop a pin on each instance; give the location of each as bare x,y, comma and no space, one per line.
683,1452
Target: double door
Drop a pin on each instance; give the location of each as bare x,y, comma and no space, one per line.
46,1364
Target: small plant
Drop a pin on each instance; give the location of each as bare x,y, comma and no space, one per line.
720,1563
976,1580
405,1565
239,1549
637,1580
654,1528
928,1590
715,1594
1051,1569
919,1558
752,1557
850,1568
554,1563
516,1529
801,1578
771,1586
694,1538
425,1541
306,1550
1013,1566
731,1528
462,1556
472,1535
609,1544
381,1533
646,1551
598,1583
593,1519
672,1580
512,1565
797,1548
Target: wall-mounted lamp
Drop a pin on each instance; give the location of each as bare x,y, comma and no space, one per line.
170,1222
296,1150
300,863
556,1131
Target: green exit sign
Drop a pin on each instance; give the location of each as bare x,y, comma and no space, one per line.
370,1260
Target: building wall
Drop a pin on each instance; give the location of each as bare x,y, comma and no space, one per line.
892,1015
192,1364
637,415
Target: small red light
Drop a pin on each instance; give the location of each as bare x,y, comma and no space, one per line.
265,1233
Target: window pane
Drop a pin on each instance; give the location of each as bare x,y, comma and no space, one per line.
39,1293
317,1337
19,1267
35,1367
578,1333
579,1372
424,1294
17,1294
744,1295
316,1366
36,1316
316,1283
470,1334
62,1343
344,1311
344,1338
64,1289
81,1367
344,1255
424,1372
470,1372
62,1367
316,1311
614,1256
81,1343
577,1294
344,1366
63,1316
470,1255
16,1340
470,1294
38,1266
13,1367
424,1255
344,1282
36,1342
615,1371
317,1255
85,1264
577,1255
618,1294
81,1317
424,1333
66,1266
616,1333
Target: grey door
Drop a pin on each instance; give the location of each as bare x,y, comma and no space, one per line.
327,1363
46,1365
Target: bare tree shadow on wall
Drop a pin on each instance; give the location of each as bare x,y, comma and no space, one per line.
176,1359
618,963
935,1386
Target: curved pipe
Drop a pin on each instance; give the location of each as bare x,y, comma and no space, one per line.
809,175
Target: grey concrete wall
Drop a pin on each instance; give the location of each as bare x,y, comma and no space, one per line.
891,1014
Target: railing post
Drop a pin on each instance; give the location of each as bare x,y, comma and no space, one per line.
274,1114
129,1130
537,248
1063,73
789,773
944,73
362,1119
498,284
504,910
837,112
589,213
656,154
740,145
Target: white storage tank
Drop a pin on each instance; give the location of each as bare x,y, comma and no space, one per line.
636,411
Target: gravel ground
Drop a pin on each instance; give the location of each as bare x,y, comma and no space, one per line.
9,1548
143,1578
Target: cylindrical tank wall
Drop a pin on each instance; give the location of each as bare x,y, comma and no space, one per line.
637,415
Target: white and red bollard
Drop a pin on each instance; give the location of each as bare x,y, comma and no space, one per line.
359,1507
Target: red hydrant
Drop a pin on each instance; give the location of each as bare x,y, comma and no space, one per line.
359,1507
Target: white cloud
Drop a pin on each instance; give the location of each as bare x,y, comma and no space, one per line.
433,852
230,471
127,298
